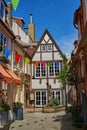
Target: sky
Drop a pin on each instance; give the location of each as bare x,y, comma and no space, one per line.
54,15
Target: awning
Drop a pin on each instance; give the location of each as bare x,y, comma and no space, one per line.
16,79
6,76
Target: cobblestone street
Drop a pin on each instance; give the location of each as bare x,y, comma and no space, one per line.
44,121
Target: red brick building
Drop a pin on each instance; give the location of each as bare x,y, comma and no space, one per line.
80,56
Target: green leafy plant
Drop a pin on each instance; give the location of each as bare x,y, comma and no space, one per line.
74,109
17,105
4,107
55,102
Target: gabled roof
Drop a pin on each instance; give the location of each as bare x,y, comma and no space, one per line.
47,32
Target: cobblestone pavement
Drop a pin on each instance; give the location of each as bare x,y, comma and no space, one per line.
44,121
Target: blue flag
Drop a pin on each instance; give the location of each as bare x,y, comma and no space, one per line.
7,52
57,65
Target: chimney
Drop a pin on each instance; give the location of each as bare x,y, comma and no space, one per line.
9,13
30,18
31,29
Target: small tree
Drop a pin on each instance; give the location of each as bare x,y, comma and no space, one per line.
72,77
68,75
63,78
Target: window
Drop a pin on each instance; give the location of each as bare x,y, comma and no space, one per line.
46,47
43,47
53,69
57,94
41,70
2,42
56,69
4,91
2,10
40,98
49,47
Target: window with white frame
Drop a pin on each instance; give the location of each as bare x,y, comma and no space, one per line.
2,42
49,47
2,10
40,70
53,69
46,47
40,98
56,94
43,47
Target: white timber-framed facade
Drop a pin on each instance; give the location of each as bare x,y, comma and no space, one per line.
47,61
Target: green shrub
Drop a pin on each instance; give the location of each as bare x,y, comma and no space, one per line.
55,102
74,109
17,105
4,107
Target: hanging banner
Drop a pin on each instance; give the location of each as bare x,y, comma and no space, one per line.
15,4
62,62
36,63
7,53
57,65
27,60
43,64
17,57
48,64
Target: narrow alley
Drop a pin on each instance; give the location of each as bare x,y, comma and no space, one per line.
44,121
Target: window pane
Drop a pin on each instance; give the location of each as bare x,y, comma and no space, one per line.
53,94
38,71
1,42
56,94
37,98
43,70
51,70
40,98
56,69
49,47
43,98
43,47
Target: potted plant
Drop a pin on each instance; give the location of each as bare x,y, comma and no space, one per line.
4,114
18,111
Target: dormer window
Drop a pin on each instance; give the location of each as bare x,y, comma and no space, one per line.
2,10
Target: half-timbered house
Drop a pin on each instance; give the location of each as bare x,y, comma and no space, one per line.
47,61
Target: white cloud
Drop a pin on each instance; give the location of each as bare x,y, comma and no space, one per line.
66,43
